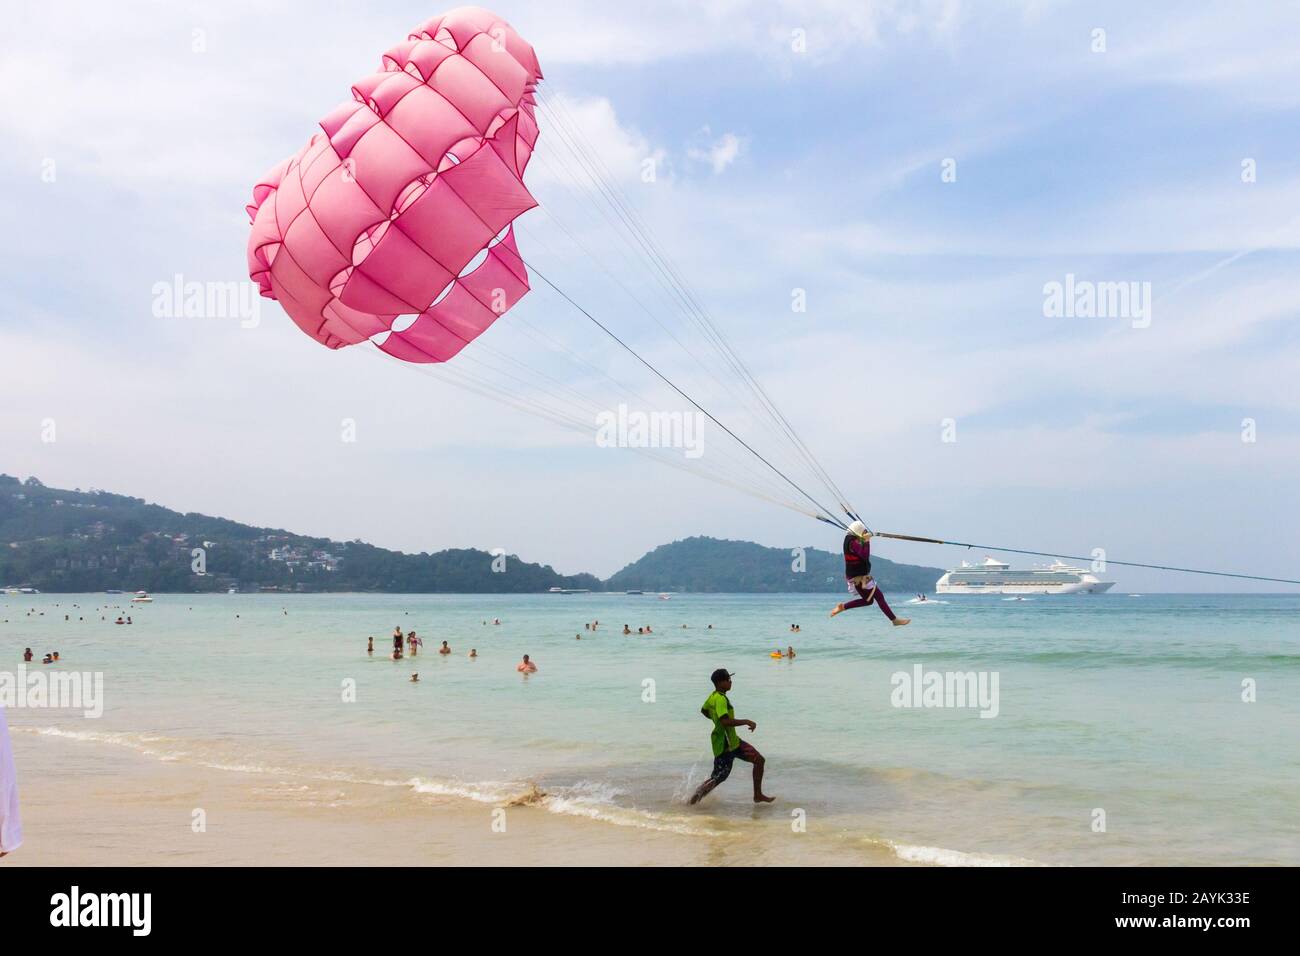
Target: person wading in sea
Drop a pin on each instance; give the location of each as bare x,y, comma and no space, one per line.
727,745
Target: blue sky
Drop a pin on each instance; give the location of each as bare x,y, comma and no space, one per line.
818,170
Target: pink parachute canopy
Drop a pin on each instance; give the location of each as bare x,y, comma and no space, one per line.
403,205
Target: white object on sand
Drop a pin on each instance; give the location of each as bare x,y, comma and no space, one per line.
11,827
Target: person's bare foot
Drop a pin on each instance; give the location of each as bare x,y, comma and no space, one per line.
763,798
900,621
838,609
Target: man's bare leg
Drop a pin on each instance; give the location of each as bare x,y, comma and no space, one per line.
759,796
704,790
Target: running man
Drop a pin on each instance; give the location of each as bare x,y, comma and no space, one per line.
727,745
857,569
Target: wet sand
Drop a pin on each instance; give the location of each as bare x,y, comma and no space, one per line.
90,805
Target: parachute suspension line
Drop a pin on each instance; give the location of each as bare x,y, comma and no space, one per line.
470,383
579,406
516,319
572,137
641,231
760,486
1075,557
582,412
827,512
593,257
572,186
678,296
624,388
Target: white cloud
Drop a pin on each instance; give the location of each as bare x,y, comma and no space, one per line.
917,297
717,153
583,139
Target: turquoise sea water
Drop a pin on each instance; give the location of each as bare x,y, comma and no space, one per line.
1128,705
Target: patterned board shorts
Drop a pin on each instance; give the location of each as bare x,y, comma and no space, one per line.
722,762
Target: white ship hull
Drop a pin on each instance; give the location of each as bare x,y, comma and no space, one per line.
1080,587
997,577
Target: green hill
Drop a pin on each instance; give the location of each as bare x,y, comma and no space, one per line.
715,565
60,540
57,540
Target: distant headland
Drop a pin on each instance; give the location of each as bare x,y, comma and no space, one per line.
63,540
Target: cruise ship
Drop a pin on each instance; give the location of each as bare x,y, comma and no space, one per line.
996,577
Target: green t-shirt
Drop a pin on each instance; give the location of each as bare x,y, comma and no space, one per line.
722,738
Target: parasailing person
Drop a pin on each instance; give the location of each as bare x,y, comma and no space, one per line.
857,570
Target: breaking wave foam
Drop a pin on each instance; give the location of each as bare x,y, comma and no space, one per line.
586,799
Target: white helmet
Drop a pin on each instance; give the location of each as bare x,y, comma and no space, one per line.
858,528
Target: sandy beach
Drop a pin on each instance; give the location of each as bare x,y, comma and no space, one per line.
139,811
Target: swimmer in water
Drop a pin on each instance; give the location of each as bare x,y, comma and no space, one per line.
526,666
626,629
413,643
415,678
789,653
27,656
473,652
370,646
445,649
727,745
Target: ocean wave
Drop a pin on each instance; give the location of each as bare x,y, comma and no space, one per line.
152,745
939,856
587,799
